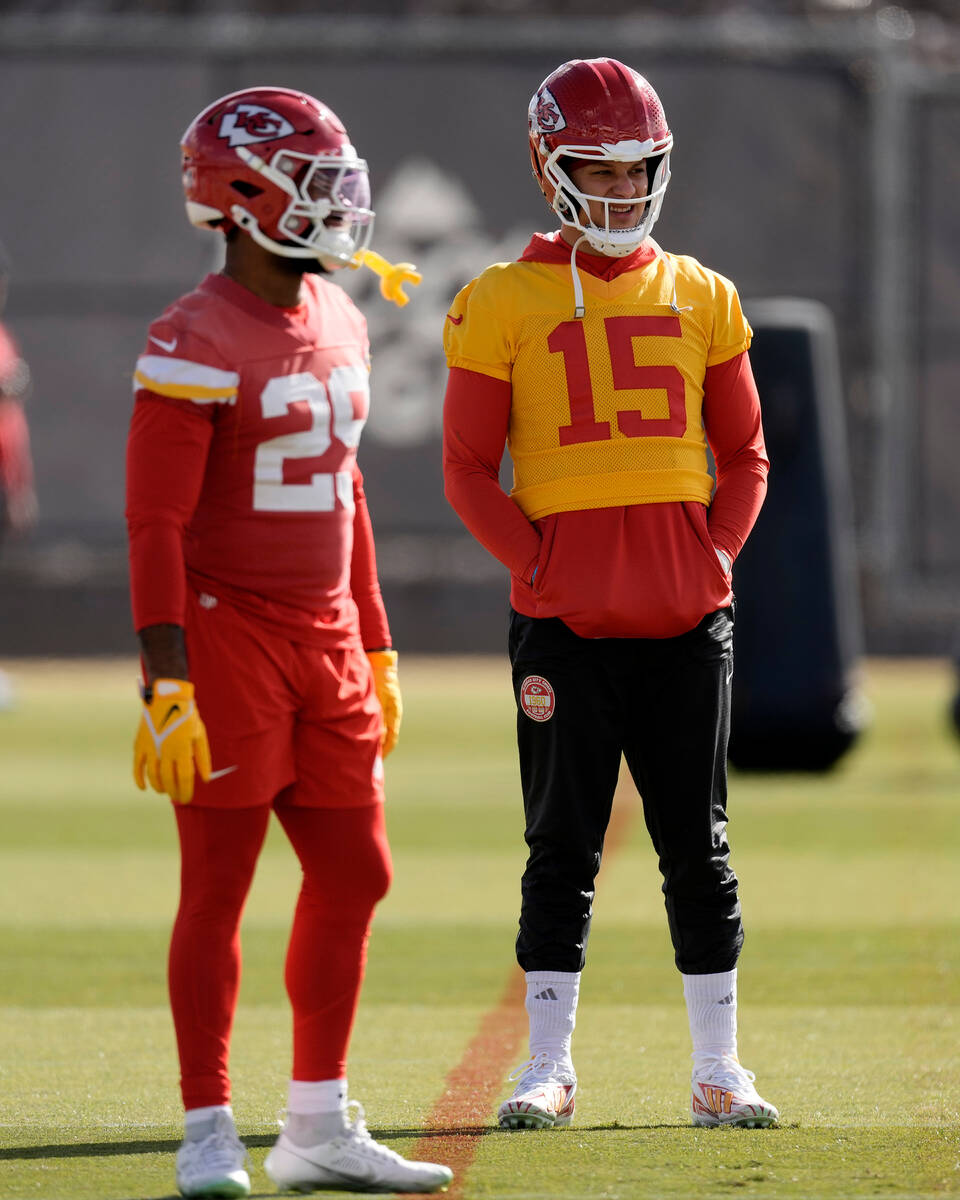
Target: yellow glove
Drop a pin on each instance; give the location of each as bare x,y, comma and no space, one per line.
171,738
387,683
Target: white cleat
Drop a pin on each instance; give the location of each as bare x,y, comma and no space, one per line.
215,1166
352,1162
723,1094
543,1097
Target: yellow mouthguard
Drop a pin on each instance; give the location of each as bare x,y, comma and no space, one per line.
392,276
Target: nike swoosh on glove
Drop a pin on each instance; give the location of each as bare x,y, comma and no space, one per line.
387,683
171,745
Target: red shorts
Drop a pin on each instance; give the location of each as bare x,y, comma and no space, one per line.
281,714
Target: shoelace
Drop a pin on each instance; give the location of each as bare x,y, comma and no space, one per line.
536,1069
357,1128
728,1073
220,1149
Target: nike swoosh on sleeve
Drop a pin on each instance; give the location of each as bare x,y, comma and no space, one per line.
168,346
455,320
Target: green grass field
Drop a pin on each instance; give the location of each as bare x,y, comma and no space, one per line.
849,981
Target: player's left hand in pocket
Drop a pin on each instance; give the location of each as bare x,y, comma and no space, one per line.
387,683
171,745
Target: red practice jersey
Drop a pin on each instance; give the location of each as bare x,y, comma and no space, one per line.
241,465
10,365
16,465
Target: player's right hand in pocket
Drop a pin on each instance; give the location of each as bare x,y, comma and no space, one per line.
171,745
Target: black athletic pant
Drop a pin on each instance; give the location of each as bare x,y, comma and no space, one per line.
663,703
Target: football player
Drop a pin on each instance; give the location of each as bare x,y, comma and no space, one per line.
269,681
18,501
608,366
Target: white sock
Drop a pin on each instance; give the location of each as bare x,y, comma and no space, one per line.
712,1012
552,1008
199,1123
316,1110
317,1096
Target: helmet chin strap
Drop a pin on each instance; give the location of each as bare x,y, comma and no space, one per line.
579,308
248,223
338,251
673,278
578,301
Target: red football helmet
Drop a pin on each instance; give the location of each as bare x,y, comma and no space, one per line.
597,108
278,164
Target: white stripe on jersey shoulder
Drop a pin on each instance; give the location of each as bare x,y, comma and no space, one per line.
184,380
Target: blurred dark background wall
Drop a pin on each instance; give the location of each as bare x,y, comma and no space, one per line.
816,157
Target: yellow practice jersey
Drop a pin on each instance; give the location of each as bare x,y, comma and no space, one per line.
606,410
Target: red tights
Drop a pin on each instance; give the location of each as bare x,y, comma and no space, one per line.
346,869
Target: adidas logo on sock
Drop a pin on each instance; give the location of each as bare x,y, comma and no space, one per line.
547,994
728,999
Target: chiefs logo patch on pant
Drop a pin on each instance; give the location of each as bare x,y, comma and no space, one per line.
537,698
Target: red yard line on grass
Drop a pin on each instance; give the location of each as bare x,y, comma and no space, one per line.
462,1114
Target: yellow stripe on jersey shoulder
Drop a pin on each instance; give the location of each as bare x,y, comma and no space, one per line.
181,379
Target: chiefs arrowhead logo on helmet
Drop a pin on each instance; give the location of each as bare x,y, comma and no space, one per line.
545,114
253,123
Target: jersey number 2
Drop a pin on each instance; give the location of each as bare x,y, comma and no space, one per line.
569,340
331,408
